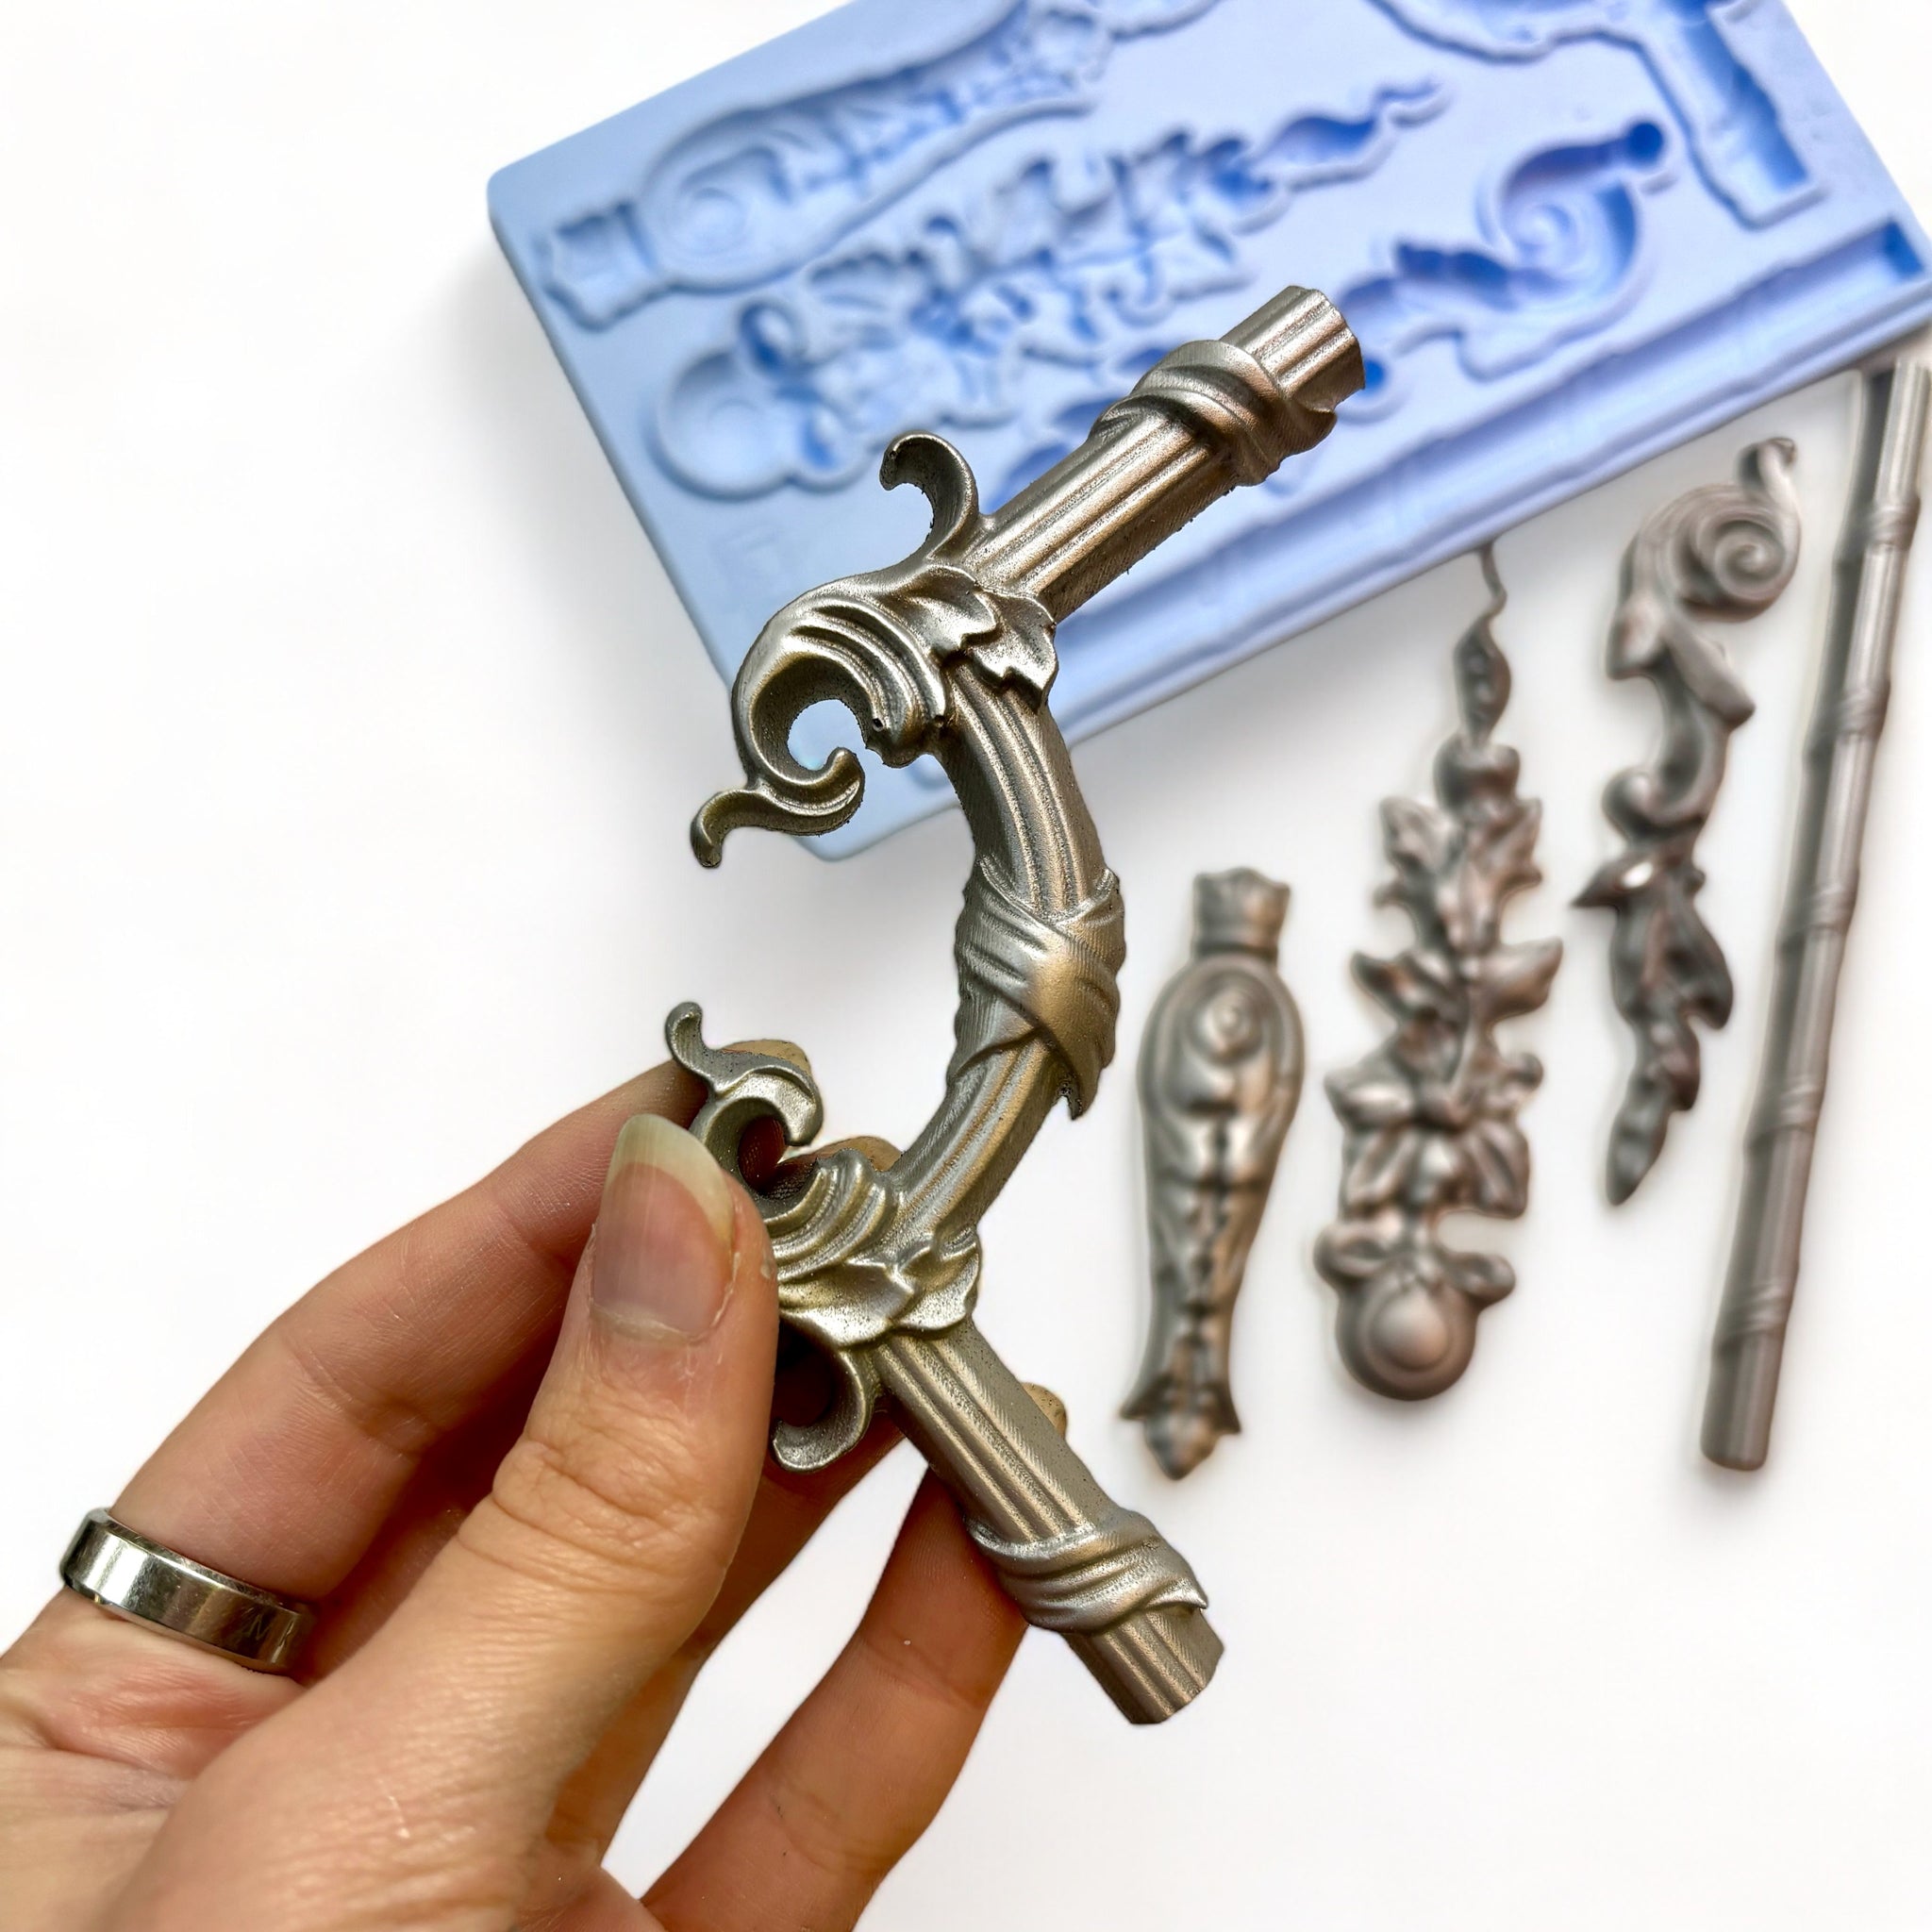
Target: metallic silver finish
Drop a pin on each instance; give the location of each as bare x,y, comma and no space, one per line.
951,653
1724,551
145,1581
1430,1116
1748,1348
1221,1074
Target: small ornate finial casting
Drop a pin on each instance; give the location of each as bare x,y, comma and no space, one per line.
1430,1115
1724,551
1221,1073
951,653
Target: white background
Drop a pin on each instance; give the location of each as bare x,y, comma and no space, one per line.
349,734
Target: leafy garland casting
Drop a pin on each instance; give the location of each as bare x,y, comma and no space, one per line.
1430,1115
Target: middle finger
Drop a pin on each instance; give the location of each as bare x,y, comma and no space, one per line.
788,1510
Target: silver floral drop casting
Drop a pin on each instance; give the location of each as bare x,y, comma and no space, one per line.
951,652
1430,1115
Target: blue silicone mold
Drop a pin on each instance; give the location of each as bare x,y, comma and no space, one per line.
1567,232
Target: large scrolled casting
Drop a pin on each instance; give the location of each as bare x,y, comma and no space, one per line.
950,653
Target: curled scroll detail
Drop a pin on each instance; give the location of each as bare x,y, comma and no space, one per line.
882,644
1724,551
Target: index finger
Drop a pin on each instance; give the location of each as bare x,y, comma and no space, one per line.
286,1470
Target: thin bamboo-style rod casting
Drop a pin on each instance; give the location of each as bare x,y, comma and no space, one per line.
1748,1348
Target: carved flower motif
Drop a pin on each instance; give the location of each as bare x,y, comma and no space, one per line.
1430,1144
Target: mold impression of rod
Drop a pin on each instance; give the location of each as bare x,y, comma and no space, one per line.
1749,1344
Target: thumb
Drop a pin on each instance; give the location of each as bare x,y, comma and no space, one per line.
604,1541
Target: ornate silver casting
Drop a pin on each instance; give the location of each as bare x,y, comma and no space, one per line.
1430,1115
1748,1349
1221,1074
1725,551
951,652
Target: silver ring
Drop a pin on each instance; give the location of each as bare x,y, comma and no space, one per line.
135,1577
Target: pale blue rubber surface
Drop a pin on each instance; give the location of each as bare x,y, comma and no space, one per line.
1569,233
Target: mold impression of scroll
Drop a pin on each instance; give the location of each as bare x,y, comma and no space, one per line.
1560,256
1725,551
1729,119
755,193
951,652
1430,1116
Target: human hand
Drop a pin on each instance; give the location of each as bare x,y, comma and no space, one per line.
521,1570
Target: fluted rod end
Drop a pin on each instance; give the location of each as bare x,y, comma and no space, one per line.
1155,1664
1743,1395
1299,336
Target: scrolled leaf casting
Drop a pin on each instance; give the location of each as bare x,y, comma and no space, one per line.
1430,1115
1724,551
951,653
1014,305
